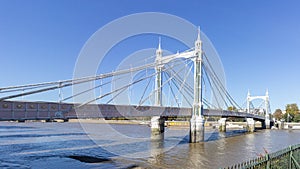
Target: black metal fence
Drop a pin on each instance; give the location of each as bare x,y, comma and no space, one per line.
288,158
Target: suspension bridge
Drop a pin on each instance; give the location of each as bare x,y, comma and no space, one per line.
158,89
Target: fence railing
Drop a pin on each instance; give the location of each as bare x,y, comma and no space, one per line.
288,158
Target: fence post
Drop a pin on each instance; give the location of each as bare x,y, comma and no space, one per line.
268,161
290,157
293,159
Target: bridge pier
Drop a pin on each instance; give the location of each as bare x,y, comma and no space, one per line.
197,120
157,127
267,124
158,122
197,129
250,125
222,125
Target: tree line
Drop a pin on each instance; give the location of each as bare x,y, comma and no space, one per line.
291,114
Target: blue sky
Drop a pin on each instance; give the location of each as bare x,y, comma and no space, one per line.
258,41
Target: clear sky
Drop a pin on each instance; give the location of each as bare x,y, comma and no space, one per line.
258,41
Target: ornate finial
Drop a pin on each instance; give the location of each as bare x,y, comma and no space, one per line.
198,33
159,51
198,44
159,43
267,92
248,92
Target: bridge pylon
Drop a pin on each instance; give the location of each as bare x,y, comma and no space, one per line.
197,120
158,122
267,123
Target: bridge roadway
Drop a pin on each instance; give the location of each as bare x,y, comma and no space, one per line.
25,110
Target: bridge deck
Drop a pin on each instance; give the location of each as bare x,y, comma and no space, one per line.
20,110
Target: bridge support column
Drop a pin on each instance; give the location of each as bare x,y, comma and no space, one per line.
250,125
266,124
158,122
157,127
222,125
267,116
197,129
197,120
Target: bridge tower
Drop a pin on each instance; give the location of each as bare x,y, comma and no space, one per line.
197,119
158,122
267,105
267,115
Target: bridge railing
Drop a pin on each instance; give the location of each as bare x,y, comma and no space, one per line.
288,158
26,110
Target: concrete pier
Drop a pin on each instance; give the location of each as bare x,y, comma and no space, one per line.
197,129
250,125
157,127
222,125
267,124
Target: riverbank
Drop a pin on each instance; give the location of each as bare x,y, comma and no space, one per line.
103,121
174,124
182,124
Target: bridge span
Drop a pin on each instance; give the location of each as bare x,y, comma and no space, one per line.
48,111
25,110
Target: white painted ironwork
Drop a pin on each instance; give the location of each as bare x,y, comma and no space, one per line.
266,108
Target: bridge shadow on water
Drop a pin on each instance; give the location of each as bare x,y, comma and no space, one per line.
222,135
216,135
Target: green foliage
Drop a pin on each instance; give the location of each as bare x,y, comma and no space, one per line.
292,108
297,118
292,111
231,108
287,117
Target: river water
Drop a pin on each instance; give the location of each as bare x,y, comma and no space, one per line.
94,145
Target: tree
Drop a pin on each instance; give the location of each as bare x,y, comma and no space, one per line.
278,114
292,108
232,108
287,117
291,111
297,117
